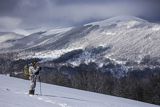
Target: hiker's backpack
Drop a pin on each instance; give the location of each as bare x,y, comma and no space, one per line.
26,71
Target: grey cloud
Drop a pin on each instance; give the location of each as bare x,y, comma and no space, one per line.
7,6
68,2
34,13
9,23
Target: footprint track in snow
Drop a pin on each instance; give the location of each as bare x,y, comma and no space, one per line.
47,100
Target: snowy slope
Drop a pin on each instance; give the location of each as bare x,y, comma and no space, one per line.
129,38
13,93
5,36
8,36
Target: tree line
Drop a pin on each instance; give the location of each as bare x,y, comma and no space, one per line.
137,84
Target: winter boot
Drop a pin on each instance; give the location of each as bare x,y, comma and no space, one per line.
31,92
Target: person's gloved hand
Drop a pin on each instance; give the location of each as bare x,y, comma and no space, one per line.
39,68
37,73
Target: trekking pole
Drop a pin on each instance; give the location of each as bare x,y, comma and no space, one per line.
40,85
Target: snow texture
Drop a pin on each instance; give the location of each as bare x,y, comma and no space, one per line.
9,36
130,38
13,93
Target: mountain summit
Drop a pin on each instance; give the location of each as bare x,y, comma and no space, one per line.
123,37
118,19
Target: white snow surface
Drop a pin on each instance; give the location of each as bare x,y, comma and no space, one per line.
49,31
131,20
13,93
129,38
48,55
58,30
9,36
6,36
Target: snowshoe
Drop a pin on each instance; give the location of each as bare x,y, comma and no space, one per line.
31,92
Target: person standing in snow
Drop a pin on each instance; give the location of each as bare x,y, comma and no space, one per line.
33,75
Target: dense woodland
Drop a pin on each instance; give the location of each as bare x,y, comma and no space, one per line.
139,83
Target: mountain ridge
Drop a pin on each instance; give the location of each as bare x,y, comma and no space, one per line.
129,38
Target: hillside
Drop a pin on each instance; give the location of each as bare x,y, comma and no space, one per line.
13,93
117,56
125,37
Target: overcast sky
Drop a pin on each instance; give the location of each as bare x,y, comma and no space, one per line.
36,13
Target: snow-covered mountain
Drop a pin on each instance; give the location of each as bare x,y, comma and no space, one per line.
14,91
123,37
7,37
